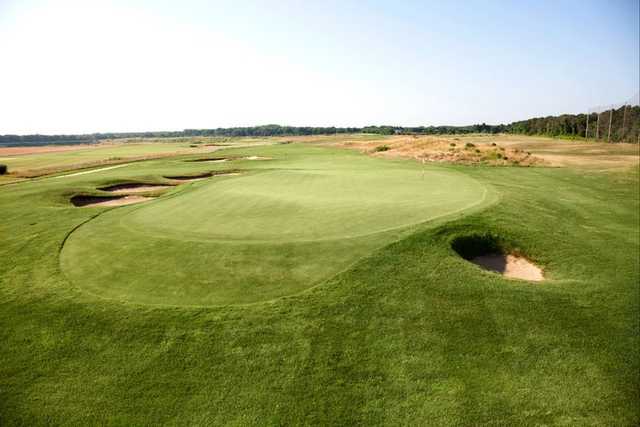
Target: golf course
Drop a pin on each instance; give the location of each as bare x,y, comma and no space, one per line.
285,213
294,219
320,281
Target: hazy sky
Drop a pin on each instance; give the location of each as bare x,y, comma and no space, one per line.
97,66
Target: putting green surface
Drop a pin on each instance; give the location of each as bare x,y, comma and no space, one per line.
278,229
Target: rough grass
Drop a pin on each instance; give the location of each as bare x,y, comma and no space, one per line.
411,334
513,150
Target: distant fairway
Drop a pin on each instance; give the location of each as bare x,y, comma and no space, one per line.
301,217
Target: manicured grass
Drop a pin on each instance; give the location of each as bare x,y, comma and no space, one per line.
88,154
304,216
409,334
37,164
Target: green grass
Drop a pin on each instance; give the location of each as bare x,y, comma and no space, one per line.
406,332
104,152
300,218
33,163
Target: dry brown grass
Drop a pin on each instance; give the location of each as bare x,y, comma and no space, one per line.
449,149
590,154
497,150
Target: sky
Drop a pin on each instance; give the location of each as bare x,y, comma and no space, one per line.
88,66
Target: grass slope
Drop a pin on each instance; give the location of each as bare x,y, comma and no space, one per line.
411,334
302,217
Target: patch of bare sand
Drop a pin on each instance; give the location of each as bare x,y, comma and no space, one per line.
184,179
213,160
181,180
189,178
134,188
511,266
96,201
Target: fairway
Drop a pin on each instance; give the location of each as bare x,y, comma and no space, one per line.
39,161
272,231
318,285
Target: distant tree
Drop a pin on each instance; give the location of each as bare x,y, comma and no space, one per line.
625,125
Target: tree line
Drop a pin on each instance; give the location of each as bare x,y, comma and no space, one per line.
435,130
251,131
616,125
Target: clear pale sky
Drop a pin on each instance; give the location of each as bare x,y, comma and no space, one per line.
100,66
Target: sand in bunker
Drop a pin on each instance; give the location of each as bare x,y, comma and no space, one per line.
134,188
89,201
189,178
511,266
214,160
181,179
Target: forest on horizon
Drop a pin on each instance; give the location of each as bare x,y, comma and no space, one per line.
615,125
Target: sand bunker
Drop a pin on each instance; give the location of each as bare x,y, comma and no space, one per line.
511,266
256,158
133,188
95,201
492,253
227,174
210,160
189,178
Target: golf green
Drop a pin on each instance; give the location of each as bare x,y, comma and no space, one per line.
273,231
